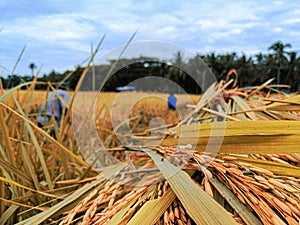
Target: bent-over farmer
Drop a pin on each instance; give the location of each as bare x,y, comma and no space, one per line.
53,109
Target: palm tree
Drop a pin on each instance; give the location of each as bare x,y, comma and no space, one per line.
260,58
32,66
280,55
292,63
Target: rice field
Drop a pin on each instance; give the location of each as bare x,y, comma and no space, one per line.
145,107
252,177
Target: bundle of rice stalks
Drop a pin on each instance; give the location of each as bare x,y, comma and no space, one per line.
150,189
252,177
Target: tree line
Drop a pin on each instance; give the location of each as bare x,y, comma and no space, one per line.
280,63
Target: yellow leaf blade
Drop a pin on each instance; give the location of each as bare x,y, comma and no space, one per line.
203,209
153,209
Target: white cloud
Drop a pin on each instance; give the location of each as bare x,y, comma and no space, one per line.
210,26
291,21
60,30
296,11
295,33
277,29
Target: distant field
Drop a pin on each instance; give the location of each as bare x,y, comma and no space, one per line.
143,106
107,98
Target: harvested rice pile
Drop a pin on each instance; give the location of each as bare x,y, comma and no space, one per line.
252,177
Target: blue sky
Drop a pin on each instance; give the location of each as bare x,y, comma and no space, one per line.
58,33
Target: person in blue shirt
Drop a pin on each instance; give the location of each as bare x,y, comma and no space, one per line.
172,101
54,107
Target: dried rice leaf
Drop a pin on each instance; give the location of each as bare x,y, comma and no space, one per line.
243,137
244,106
37,148
260,87
29,167
8,213
199,205
241,127
8,93
289,104
5,180
60,207
274,167
9,168
118,217
49,138
235,203
4,131
152,210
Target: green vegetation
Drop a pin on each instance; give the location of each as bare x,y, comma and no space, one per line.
280,63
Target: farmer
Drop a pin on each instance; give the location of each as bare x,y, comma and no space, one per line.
172,101
53,109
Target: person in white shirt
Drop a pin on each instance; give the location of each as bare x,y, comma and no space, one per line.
54,107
